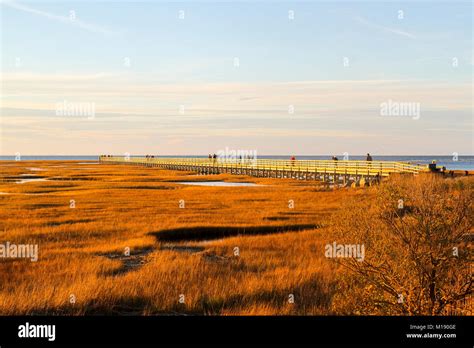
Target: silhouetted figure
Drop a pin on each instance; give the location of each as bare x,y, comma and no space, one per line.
369,158
432,166
334,158
443,170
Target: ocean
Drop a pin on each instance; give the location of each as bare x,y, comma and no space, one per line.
460,163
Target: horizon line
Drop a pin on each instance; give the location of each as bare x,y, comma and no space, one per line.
198,155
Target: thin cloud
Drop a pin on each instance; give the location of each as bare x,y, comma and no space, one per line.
383,28
63,19
33,77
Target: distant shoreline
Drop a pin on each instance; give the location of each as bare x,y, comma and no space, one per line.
463,162
263,156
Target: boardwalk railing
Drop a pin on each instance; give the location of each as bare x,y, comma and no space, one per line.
327,170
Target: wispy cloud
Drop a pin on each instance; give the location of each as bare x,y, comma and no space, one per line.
384,28
133,95
30,77
63,19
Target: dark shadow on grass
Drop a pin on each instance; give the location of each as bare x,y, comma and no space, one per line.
217,232
183,248
44,205
315,293
143,187
68,222
277,218
127,306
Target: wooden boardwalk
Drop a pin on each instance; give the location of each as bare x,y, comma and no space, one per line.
337,172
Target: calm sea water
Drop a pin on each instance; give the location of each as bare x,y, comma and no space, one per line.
462,162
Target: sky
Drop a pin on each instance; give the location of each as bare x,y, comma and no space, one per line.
275,77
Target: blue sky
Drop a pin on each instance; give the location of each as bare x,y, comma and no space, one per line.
165,85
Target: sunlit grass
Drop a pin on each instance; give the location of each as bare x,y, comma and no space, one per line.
81,249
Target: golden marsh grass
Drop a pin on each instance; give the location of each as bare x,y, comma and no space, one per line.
81,250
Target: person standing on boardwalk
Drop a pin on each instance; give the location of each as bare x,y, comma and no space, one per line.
369,158
293,159
335,159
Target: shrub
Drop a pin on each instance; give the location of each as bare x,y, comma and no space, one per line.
418,251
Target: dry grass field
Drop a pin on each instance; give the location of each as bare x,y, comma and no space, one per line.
193,249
